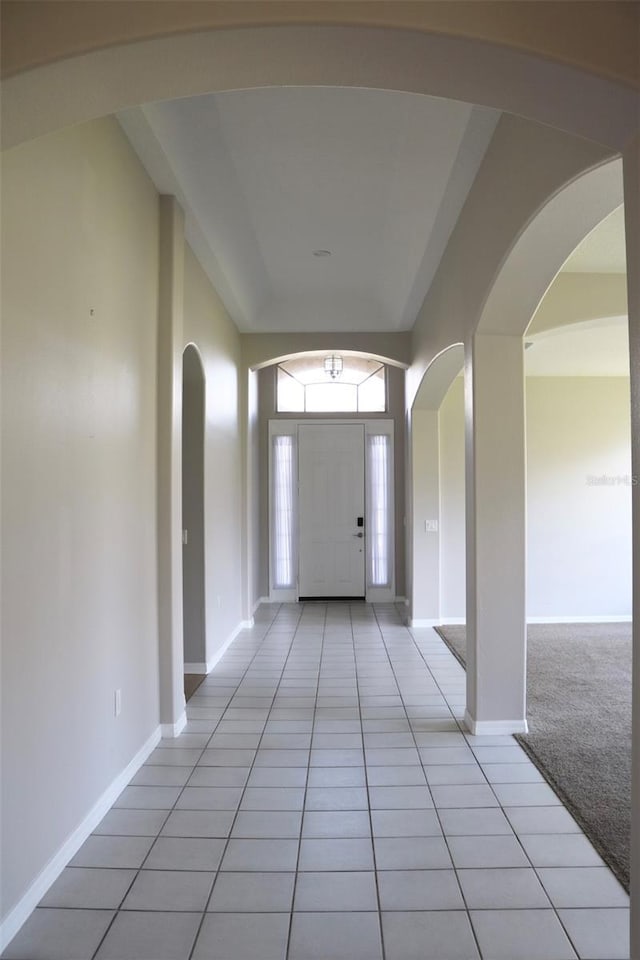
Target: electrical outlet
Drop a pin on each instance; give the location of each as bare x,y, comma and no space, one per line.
431,526
218,602
117,702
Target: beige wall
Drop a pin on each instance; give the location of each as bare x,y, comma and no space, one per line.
267,411
79,315
80,611
579,529
207,324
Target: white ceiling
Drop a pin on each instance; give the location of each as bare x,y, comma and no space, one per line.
596,348
603,250
268,176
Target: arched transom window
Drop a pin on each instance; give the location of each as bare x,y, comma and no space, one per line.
331,383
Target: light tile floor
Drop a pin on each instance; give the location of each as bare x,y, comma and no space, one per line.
325,803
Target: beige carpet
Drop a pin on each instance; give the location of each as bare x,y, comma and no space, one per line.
579,713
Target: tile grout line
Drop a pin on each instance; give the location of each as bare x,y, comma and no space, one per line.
306,787
551,905
366,777
436,809
244,789
169,812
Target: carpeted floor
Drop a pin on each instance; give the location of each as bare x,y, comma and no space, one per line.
579,712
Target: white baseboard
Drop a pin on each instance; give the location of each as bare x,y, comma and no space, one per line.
205,668
423,623
259,601
170,730
379,595
220,652
288,595
23,909
452,621
195,668
614,618
493,728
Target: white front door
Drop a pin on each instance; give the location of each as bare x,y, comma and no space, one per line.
331,499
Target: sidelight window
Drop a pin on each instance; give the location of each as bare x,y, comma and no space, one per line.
379,544
283,476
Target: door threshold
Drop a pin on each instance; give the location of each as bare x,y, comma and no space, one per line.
331,599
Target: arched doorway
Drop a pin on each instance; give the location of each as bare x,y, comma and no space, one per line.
425,487
193,606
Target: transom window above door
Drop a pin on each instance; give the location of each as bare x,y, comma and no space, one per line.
331,383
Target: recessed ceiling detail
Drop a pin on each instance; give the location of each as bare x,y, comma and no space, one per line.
263,174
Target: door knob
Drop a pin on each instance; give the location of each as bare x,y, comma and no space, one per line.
358,534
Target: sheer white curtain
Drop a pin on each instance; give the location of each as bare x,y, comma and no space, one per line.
283,511
378,503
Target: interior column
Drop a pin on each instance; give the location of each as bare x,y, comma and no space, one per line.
495,535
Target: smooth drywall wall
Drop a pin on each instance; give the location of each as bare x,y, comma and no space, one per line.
396,412
79,614
425,518
578,499
254,473
208,326
475,257
597,36
452,509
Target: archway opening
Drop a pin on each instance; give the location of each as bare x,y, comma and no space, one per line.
193,546
436,493
579,547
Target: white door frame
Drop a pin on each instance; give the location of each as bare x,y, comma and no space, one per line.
289,427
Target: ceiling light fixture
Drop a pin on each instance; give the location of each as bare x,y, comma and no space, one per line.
333,366
322,253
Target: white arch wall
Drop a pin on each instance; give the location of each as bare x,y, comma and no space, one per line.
524,168
104,81
522,208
